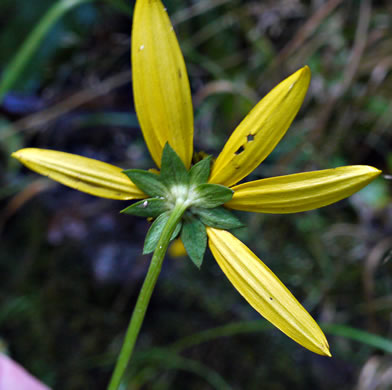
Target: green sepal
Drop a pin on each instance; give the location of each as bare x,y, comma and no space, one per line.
148,182
194,238
200,172
212,195
151,207
173,171
218,217
155,232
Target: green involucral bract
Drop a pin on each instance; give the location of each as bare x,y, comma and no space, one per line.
173,171
200,172
147,208
194,238
218,217
148,182
212,195
175,185
155,232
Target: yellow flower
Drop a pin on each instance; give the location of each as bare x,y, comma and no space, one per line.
164,108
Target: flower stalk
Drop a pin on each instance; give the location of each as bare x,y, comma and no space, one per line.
144,296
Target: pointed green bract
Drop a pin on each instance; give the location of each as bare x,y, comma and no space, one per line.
147,208
153,234
173,171
175,185
148,182
177,231
155,231
200,172
212,195
218,217
194,238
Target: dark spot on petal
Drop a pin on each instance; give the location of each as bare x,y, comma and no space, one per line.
179,74
239,150
250,137
271,299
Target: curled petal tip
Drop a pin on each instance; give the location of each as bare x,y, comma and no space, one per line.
306,70
304,75
327,352
16,154
369,171
323,349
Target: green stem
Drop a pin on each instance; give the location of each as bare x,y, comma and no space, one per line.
31,44
144,297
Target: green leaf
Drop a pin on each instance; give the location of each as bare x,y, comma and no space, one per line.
218,217
212,195
200,172
173,171
155,232
194,238
152,207
148,182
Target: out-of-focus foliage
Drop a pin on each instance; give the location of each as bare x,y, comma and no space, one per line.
71,265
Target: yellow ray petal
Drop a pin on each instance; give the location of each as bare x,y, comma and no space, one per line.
301,191
264,291
82,173
258,134
160,83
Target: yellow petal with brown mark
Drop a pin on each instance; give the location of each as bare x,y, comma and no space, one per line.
160,83
265,292
258,134
81,173
301,191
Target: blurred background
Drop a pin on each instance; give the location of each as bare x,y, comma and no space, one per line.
71,265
